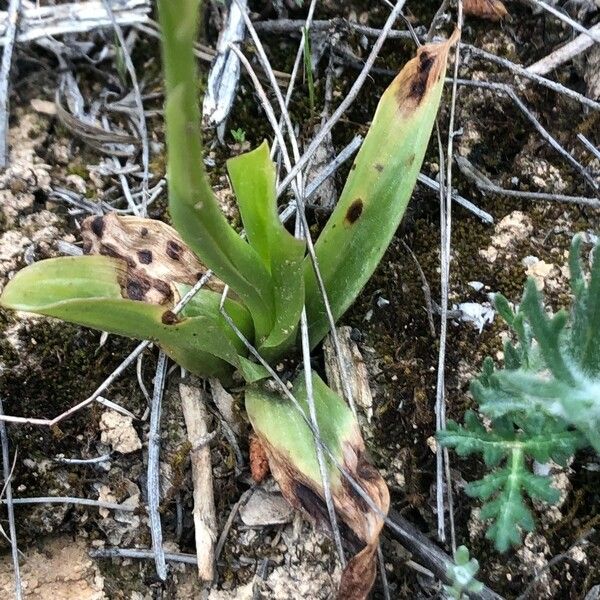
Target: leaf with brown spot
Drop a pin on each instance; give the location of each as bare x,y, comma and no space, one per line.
291,450
153,250
492,10
378,187
105,293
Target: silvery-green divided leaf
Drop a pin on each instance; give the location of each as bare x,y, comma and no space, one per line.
544,405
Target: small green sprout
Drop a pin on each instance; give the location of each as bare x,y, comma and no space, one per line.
238,135
308,70
462,575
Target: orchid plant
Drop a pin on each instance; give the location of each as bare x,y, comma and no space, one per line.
136,270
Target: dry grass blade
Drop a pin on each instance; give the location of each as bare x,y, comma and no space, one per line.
566,19
563,54
14,9
7,489
141,118
112,143
442,463
71,17
154,467
142,554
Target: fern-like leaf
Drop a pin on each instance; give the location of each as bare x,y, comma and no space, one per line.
508,449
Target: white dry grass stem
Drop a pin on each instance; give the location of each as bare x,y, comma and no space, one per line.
7,490
74,501
442,462
9,36
563,54
141,117
71,17
593,35
154,467
140,553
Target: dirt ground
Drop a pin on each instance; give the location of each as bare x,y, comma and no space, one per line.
47,366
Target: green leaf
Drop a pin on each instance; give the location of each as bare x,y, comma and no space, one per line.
87,290
462,575
276,420
253,179
378,188
508,449
585,341
547,331
193,207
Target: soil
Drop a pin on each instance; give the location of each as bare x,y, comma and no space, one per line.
47,366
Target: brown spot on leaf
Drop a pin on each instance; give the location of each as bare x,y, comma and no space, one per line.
354,211
163,288
353,166
169,318
144,231
174,250
379,167
418,85
145,256
364,469
97,226
109,250
136,288
311,502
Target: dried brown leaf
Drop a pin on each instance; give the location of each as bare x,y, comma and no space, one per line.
363,524
492,10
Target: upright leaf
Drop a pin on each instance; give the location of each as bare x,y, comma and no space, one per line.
253,179
378,188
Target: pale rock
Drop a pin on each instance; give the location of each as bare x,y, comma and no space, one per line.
264,508
515,227
540,270
62,571
118,432
77,182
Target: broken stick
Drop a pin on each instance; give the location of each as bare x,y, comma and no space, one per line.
193,403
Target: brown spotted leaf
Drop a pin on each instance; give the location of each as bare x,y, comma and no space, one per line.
493,10
378,187
290,447
155,255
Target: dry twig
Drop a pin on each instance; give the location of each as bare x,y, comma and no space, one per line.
561,55
193,403
12,17
7,489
